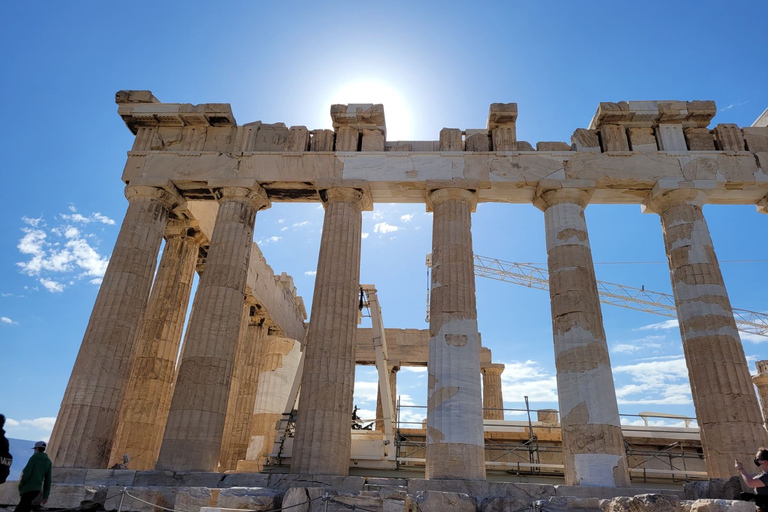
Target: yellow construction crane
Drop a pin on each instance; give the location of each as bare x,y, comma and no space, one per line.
639,299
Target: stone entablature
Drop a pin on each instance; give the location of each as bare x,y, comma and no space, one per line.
629,148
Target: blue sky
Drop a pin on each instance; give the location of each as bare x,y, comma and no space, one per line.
433,65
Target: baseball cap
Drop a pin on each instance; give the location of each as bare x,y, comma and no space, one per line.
40,444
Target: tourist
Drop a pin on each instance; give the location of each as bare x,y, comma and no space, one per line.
5,453
35,476
758,482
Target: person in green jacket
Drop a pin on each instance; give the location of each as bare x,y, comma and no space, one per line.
35,476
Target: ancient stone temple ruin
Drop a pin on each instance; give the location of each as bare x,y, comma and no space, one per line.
197,179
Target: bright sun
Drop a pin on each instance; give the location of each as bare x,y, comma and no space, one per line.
396,111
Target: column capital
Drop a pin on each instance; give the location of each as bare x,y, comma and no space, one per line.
440,195
492,369
663,197
760,380
547,196
254,195
347,195
185,228
762,205
168,198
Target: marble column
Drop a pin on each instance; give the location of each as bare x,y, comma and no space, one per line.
393,393
148,390
455,441
493,400
278,365
87,419
193,432
323,428
761,382
242,391
727,411
593,445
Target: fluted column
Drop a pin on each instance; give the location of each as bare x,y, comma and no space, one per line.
729,417
455,441
277,368
392,392
323,428
193,433
493,400
87,419
147,399
242,392
761,382
593,445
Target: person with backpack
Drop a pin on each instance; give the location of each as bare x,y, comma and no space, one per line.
6,459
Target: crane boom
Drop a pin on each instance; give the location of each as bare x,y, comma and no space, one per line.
639,299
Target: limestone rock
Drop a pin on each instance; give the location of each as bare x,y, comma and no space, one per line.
478,141
373,140
699,139
298,139
504,138
644,503
642,140
523,145
72,496
585,140
568,504
715,488
9,493
322,140
140,499
613,138
347,138
296,499
722,506
192,499
504,504
450,140
553,146
756,138
249,498
436,501
728,137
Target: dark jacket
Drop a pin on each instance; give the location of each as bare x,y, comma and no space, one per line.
36,475
5,457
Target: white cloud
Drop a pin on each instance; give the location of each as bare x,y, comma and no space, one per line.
310,273
32,221
52,286
414,369
61,253
528,378
383,227
637,345
299,224
407,217
6,320
280,221
664,381
752,338
38,428
366,391
667,324
96,281
271,239
79,218
365,235
284,229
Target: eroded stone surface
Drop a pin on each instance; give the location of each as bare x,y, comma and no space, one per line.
436,501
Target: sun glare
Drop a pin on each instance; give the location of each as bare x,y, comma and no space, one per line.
396,110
